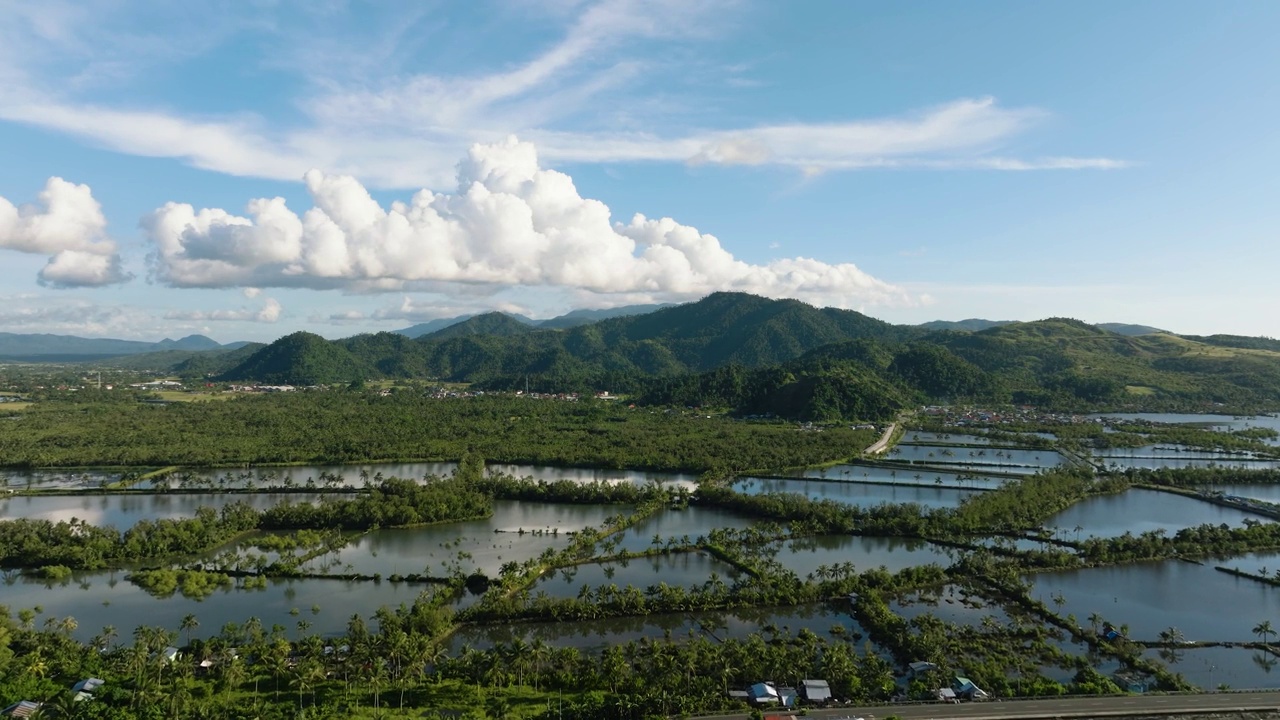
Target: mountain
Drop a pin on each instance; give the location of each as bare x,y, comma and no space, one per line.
71,347
970,325
759,355
492,323
301,359
575,318
1128,329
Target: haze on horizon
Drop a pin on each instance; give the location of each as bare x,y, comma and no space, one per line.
247,170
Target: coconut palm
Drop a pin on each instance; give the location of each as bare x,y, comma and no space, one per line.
1263,629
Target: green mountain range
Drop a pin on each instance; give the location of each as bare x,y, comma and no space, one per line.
756,355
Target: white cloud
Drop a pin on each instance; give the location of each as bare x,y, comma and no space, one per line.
66,223
510,223
268,313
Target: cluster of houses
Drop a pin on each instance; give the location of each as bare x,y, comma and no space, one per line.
1022,414
82,691
817,693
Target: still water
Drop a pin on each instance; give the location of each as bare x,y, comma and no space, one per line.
473,545
1203,603
123,510
857,493
1137,511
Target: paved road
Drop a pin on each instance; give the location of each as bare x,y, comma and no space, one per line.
882,444
1079,707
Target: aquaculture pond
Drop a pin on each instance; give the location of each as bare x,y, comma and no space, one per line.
517,531
855,492
687,569
1201,602
825,620
1212,422
1267,492
98,599
953,604
805,556
993,459
1139,510
904,475
1153,457
124,510
676,524
1238,668
332,475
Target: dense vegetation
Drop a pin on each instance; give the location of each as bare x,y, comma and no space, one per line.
340,426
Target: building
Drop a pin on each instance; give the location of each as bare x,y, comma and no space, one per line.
21,709
817,692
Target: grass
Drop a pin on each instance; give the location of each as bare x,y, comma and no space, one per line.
1139,390
15,405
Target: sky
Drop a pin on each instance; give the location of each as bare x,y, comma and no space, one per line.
247,168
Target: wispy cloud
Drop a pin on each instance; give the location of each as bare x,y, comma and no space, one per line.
399,129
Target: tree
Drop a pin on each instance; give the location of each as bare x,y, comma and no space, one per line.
1263,630
188,624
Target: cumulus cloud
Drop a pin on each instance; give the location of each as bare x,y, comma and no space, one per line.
67,224
510,223
268,313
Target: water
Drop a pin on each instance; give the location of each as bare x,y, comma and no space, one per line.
123,510
1239,668
674,525
951,604
473,545
348,475
857,493
1137,511
999,459
594,636
1153,457
1212,422
1267,492
1203,603
97,599
676,570
805,556
944,439
62,479
905,475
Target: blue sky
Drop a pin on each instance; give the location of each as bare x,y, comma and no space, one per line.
1010,160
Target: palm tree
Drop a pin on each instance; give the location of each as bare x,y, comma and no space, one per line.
188,624
1263,629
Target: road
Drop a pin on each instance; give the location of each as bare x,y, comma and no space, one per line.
882,444
1086,707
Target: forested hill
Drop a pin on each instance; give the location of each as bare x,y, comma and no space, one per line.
721,329
783,356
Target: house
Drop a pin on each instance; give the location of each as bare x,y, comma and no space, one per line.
767,694
965,689
815,691
88,685
169,654
946,695
21,709
1133,682
918,668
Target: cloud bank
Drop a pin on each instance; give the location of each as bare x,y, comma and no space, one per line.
510,223
68,225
